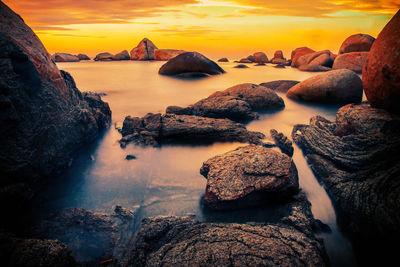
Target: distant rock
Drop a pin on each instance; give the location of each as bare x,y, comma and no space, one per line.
224,59
297,53
280,85
260,57
124,55
323,58
279,59
103,57
314,68
251,58
282,142
248,176
83,57
278,54
245,60
190,62
260,64
166,54
144,50
280,66
381,73
64,57
357,43
352,61
241,66
336,86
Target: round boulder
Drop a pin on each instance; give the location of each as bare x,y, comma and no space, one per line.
352,61
298,52
260,57
357,43
103,57
381,73
336,86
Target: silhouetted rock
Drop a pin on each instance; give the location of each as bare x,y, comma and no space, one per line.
282,142
224,59
357,43
190,62
260,57
103,57
280,85
381,73
352,61
241,66
166,54
144,50
297,53
83,57
336,86
65,57
124,55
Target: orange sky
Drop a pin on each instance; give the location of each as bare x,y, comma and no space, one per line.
213,27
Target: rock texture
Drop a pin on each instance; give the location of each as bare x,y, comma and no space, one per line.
239,103
260,57
190,62
298,52
103,57
337,86
314,68
183,241
280,85
166,54
357,43
83,57
381,73
356,158
157,129
248,176
224,59
144,50
352,61
284,144
124,55
65,57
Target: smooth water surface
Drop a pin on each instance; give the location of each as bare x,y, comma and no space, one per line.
166,180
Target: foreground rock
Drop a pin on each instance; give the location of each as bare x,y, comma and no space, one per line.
238,103
44,118
352,61
357,43
144,50
183,241
224,59
83,57
249,176
284,144
190,62
381,74
103,57
356,158
166,54
280,85
260,57
65,57
157,129
124,55
337,86
299,52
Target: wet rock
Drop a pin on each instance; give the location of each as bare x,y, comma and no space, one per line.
260,57
280,85
297,53
124,55
323,58
166,54
224,59
144,50
65,57
357,43
356,158
248,176
320,227
282,142
352,61
103,57
183,241
241,66
157,129
190,62
337,86
381,73
130,157
83,57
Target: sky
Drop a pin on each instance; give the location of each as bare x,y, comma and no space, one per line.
216,28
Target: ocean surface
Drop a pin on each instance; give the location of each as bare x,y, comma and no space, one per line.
166,180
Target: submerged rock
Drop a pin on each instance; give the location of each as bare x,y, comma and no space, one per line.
124,55
166,54
357,43
65,57
144,50
280,85
282,142
248,176
103,57
190,62
352,61
245,60
224,59
241,66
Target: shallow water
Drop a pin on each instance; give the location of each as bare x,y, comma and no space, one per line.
166,181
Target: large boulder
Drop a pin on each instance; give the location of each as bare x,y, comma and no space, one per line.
65,57
381,73
352,61
190,62
103,57
336,86
144,50
124,55
260,57
166,54
248,176
44,118
323,58
298,52
280,85
83,57
357,43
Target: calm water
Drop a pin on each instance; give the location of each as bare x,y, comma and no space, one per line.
166,181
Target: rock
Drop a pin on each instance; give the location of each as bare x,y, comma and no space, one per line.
130,157
241,66
183,241
278,54
279,61
336,86
248,176
381,73
83,57
190,62
157,129
179,110
192,75
166,54
224,59
279,66
260,57
103,57
282,142
357,43
64,57
124,55
39,105
260,64
320,227
245,60
314,68
280,85
251,58
144,50
352,61
357,158
323,58
298,52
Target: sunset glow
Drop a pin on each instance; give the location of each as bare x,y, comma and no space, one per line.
214,27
